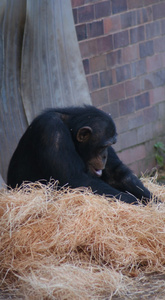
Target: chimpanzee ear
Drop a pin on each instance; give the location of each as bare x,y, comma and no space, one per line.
84,134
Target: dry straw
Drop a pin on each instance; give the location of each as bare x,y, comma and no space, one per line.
72,244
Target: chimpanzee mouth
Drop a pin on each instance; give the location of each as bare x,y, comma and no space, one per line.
94,171
98,172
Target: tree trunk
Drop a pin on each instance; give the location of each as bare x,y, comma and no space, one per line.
40,66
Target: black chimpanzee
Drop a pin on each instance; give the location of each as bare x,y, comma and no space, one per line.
73,146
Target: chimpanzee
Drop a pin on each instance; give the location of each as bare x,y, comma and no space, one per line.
73,145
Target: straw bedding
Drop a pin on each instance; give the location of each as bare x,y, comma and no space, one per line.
72,244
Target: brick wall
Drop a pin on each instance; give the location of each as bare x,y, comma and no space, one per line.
122,43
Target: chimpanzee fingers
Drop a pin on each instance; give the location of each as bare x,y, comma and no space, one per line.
127,198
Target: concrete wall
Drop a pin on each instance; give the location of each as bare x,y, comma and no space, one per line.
122,44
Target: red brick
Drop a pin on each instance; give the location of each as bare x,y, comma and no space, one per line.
100,97
102,9
95,29
132,87
151,114
145,133
147,82
149,146
142,166
125,156
137,34
123,73
134,154
146,165
153,63
114,58
85,13
157,95
161,108
81,32
134,4
158,127
130,53
142,101
117,92
158,11
163,60
128,139
121,39
144,15
136,120
89,1
111,108
119,6
76,3
138,153
86,65
104,44
149,2
163,26
98,63
88,48
159,44
126,106
114,80
153,29
112,24
159,77
138,68
106,78
153,80
146,49
128,19
122,124
93,82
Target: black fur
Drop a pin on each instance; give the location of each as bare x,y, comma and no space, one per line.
73,145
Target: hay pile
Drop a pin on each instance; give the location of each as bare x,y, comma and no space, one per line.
72,244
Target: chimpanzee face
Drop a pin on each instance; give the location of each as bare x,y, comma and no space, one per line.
93,146
97,161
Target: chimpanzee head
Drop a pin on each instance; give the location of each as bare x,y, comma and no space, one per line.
97,133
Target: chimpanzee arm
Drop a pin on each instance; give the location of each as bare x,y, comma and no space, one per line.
122,178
